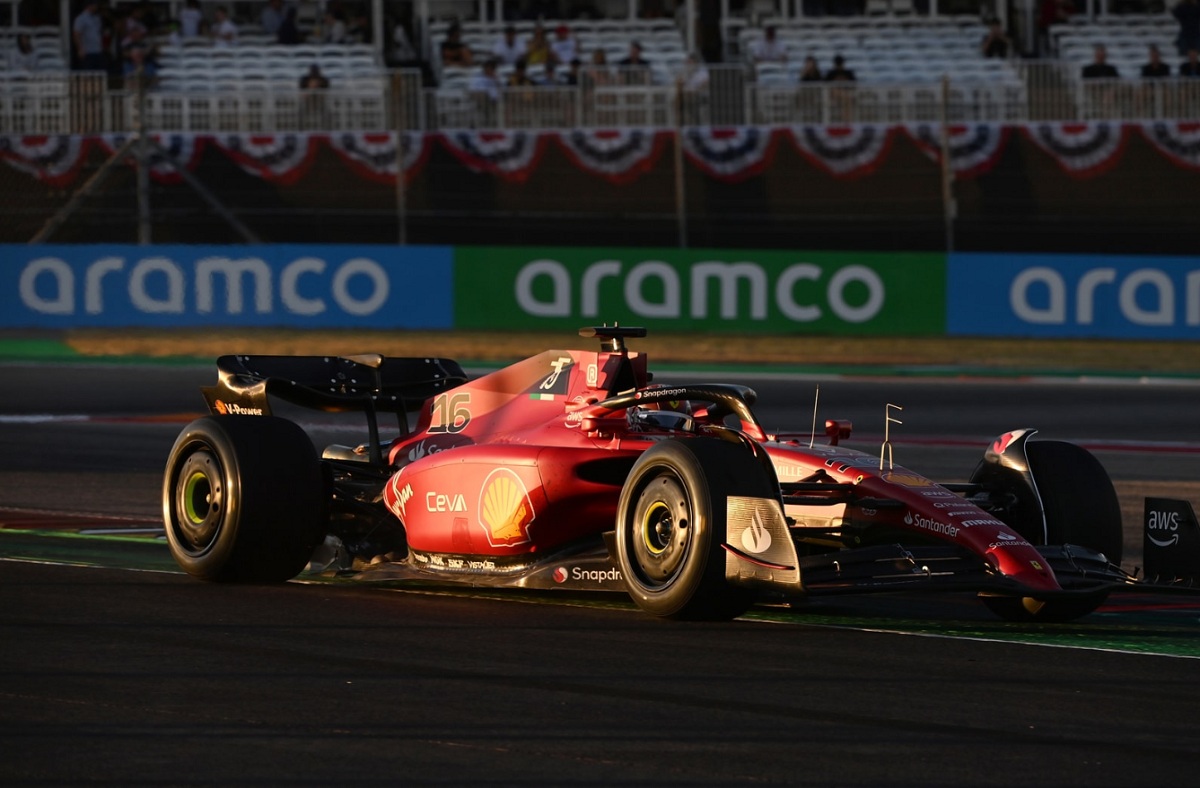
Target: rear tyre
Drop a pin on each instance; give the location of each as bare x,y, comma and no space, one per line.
243,499
671,522
1081,508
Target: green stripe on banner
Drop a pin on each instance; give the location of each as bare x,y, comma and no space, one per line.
724,291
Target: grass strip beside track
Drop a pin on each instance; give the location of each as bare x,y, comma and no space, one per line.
957,356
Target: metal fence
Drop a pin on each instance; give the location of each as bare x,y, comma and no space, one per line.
1048,90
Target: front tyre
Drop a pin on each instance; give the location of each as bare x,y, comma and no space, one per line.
671,522
243,499
1081,508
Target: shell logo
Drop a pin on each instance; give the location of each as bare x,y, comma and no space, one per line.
505,510
907,479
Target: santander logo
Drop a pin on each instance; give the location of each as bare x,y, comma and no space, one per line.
756,539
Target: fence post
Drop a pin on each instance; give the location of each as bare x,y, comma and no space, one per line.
680,192
398,99
949,206
142,160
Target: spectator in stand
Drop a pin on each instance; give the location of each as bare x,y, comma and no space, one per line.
839,72
225,32
134,25
634,69
510,48
551,76
190,19
519,78
770,49
1187,12
1155,67
1052,12
138,63
23,58
333,27
289,30
88,34
996,43
313,86
564,47
486,84
454,51
1191,66
537,51
810,71
313,79
574,73
1100,68
271,17
597,73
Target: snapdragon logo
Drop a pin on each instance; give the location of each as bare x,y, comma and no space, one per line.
740,290
161,285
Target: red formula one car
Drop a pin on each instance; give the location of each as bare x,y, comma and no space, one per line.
571,469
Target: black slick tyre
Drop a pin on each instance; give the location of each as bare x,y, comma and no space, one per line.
243,499
1081,508
671,523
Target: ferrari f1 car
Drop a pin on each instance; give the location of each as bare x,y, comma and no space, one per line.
571,469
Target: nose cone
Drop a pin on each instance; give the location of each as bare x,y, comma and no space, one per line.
1025,565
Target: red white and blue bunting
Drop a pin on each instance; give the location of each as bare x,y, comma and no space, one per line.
511,155
1179,142
844,151
974,148
183,150
620,156
277,158
729,154
54,160
1082,150
373,155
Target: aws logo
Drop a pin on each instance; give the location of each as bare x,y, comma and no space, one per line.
1163,521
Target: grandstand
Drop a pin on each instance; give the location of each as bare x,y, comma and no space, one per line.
47,43
910,68
661,40
1127,39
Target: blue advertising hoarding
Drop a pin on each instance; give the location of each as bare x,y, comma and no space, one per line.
1103,296
308,286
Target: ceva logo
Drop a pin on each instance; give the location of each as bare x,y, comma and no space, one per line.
160,285
656,289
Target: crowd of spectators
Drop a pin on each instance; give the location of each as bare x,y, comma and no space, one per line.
120,40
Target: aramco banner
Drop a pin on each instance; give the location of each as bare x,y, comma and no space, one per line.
1110,296
730,291
61,286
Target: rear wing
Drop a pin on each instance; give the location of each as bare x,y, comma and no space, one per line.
368,382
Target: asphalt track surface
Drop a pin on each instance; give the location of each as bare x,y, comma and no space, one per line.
116,669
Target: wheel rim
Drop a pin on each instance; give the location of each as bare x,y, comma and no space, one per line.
199,503
662,531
